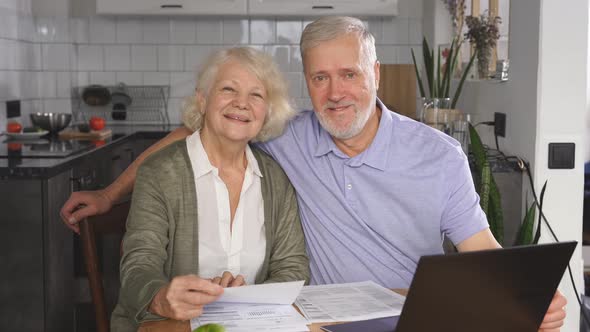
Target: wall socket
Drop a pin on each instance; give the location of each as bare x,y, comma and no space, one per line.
500,124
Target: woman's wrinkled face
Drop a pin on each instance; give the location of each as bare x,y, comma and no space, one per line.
235,106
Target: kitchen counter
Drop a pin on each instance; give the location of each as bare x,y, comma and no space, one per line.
14,166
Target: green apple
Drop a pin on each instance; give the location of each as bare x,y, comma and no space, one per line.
210,328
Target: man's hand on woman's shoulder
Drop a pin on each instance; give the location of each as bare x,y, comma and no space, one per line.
83,204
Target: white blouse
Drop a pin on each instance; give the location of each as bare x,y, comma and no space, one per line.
241,251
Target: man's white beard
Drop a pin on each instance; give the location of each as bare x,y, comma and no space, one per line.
357,125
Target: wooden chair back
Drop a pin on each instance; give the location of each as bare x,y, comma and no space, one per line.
112,222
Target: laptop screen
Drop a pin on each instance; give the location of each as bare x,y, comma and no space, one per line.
505,290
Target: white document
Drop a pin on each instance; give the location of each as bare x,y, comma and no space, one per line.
275,293
348,302
240,317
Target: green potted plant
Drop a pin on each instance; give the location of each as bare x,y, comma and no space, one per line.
438,77
436,101
485,185
438,109
490,199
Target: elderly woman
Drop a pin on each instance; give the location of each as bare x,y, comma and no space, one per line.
211,211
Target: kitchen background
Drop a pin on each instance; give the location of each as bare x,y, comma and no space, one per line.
45,56
46,49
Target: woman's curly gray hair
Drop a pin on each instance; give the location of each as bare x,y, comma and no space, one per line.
279,110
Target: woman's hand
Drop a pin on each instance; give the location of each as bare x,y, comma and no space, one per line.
228,280
184,297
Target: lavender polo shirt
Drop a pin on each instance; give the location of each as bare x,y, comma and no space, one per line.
372,216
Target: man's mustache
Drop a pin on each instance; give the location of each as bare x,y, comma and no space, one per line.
337,105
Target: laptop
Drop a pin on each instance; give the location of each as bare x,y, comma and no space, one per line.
506,290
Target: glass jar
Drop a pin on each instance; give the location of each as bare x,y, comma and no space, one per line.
437,113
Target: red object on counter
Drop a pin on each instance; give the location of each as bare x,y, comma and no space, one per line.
14,127
14,146
97,123
98,143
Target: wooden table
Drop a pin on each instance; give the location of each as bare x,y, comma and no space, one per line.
170,325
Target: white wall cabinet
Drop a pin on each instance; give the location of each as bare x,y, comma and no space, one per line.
323,7
249,7
172,7
53,8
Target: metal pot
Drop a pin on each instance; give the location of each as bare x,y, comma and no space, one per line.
96,95
120,100
53,122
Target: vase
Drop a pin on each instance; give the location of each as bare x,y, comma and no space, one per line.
483,63
437,113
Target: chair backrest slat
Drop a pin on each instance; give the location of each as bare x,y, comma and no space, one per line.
109,223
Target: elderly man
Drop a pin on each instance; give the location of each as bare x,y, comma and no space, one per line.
376,190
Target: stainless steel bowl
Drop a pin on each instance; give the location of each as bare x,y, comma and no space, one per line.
53,122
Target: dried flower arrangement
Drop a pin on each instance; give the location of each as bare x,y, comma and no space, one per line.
483,33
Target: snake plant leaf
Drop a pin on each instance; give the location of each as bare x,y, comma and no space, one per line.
484,191
525,232
495,215
458,44
485,184
437,84
449,69
420,85
477,148
428,64
432,77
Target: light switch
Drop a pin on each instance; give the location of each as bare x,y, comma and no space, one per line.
562,155
12,109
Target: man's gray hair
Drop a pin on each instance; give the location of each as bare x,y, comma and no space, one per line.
331,27
279,110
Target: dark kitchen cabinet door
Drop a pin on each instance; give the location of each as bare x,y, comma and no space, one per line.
36,292
120,158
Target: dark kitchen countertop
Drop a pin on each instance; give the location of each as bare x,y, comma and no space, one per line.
17,167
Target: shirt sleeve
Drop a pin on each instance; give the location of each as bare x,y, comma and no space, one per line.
144,246
462,215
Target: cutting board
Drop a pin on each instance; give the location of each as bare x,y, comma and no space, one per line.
397,88
92,135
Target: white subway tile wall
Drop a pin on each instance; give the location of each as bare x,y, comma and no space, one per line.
102,30
209,31
117,58
156,31
44,57
171,58
289,32
235,32
129,31
262,31
183,31
129,78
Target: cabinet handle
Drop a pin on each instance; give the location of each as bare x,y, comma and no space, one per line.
170,6
131,153
322,7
